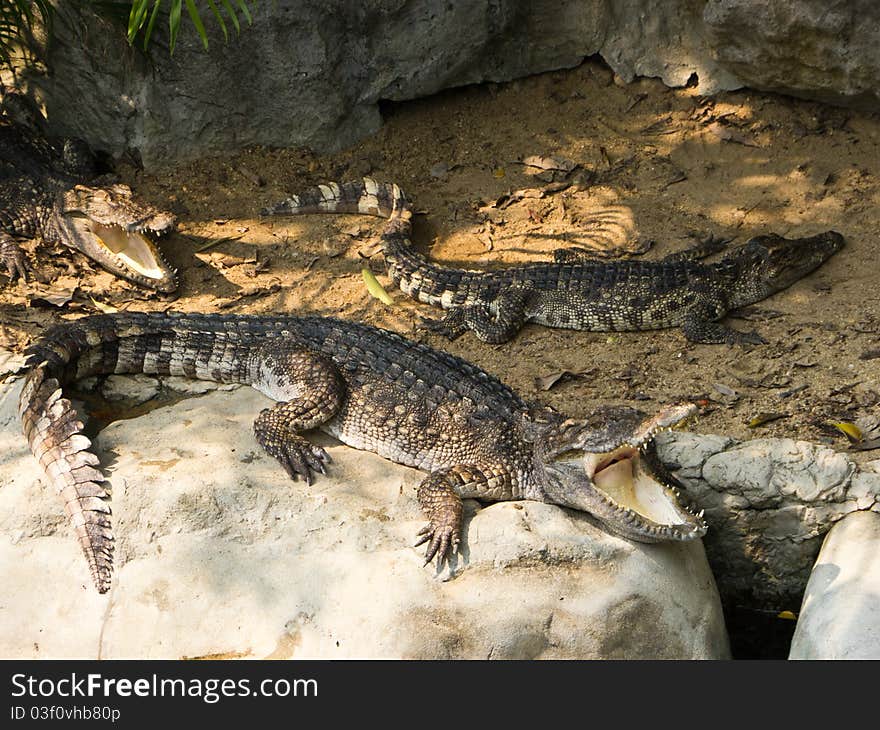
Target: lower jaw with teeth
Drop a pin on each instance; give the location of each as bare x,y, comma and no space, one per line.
637,498
132,248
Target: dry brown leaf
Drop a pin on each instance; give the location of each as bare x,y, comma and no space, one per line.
101,307
763,418
727,134
216,241
439,171
548,381
11,362
543,162
724,389
869,445
661,127
54,298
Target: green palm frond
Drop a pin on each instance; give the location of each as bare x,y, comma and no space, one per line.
17,18
144,13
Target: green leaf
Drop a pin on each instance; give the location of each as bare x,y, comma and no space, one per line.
149,31
197,22
219,17
230,11
245,11
174,22
850,430
374,287
137,17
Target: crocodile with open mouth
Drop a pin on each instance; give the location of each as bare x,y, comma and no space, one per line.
373,390
49,189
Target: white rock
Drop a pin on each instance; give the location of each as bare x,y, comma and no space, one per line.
133,388
220,553
769,503
840,614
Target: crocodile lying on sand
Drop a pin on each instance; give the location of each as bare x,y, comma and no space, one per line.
49,189
575,292
373,390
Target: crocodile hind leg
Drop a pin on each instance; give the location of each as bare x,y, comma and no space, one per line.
576,255
12,257
705,246
494,328
310,390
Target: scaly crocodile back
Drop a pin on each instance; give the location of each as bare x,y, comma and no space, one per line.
220,348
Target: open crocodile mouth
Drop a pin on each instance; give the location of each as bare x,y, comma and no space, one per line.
629,485
618,476
128,252
132,248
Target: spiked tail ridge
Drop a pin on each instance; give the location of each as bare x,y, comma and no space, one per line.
54,433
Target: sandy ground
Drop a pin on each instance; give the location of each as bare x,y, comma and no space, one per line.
653,165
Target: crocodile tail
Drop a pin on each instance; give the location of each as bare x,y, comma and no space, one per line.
125,342
365,197
54,432
410,271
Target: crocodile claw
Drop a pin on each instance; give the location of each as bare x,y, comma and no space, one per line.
745,338
444,540
300,459
449,326
14,260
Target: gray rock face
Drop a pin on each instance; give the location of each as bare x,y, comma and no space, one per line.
812,48
219,553
769,503
312,72
840,614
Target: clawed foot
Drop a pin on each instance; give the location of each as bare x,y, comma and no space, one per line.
745,338
709,243
14,260
299,457
444,540
449,327
573,255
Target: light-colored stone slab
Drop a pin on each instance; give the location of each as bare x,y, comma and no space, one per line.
840,614
220,554
769,504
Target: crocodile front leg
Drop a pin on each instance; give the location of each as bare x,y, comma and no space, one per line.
311,391
700,327
440,495
507,320
12,257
